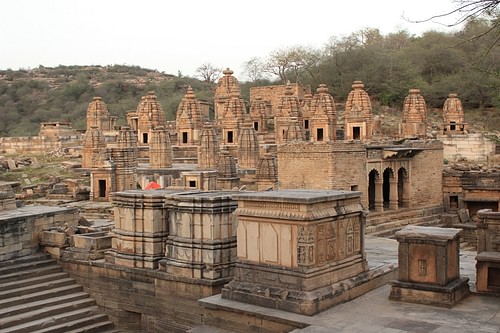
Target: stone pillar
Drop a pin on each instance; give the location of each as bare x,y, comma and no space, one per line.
379,195
429,270
406,193
393,195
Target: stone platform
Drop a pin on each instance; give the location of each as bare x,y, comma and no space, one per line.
373,312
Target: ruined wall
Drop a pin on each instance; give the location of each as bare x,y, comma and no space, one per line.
20,228
473,147
273,94
329,165
30,144
426,175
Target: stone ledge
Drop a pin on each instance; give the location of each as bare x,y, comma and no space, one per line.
443,296
309,302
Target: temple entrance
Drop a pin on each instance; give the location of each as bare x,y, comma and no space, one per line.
102,188
356,133
386,187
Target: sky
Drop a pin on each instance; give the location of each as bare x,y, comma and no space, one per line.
180,35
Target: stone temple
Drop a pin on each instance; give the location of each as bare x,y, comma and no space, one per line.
268,217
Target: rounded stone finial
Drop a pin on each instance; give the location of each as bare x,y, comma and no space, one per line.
97,98
414,91
452,95
322,89
227,72
357,85
288,90
190,93
151,92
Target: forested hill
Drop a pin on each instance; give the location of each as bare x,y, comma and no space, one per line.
28,97
466,62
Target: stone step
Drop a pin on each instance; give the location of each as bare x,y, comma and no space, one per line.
31,258
21,274
62,322
26,290
16,267
45,312
31,281
101,327
31,306
44,294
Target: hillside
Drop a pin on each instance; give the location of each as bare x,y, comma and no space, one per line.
28,97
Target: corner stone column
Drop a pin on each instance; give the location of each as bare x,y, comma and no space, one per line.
393,195
379,195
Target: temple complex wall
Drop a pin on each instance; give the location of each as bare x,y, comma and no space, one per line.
20,228
32,144
426,175
473,147
325,166
273,94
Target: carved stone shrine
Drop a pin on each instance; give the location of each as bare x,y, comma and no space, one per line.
300,251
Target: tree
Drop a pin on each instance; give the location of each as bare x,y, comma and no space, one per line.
291,63
208,73
473,10
254,69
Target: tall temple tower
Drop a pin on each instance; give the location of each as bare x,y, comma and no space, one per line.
414,115
358,121
323,117
188,120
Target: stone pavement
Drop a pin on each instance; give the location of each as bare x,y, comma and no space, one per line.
374,312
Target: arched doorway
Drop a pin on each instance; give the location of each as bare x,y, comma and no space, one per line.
373,176
386,187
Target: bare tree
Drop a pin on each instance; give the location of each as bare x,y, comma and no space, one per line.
289,64
471,10
254,69
208,73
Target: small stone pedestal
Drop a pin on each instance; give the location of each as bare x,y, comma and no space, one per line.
429,267
300,251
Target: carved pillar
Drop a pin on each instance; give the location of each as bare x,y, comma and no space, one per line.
379,195
393,194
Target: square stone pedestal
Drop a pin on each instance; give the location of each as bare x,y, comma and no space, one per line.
300,251
428,260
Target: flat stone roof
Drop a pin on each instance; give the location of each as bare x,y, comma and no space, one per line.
427,233
297,195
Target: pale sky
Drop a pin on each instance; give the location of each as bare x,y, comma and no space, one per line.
172,36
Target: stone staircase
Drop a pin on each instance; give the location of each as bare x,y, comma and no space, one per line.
36,296
385,224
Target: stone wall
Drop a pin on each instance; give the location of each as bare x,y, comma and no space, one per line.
31,144
426,175
324,166
273,94
473,147
20,228
141,300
